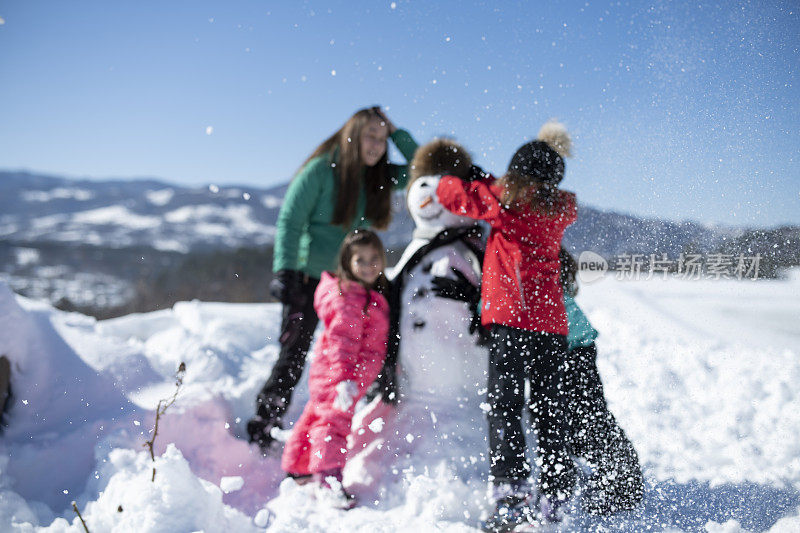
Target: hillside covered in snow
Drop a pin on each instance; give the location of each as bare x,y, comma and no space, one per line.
702,375
114,247
154,213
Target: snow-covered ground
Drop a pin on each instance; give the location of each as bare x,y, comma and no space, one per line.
704,376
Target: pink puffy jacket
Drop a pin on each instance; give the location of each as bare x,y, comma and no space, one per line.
351,349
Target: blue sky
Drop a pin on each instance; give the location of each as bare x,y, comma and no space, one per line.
679,110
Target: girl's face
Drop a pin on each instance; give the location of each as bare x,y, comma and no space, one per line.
366,264
373,141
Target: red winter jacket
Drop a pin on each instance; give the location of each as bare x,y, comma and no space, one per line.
352,338
351,349
520,285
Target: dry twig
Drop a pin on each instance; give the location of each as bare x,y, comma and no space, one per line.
77,512
161,409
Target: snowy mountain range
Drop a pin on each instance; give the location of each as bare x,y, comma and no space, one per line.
138,245
36,208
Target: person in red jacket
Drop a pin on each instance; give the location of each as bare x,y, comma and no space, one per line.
348,357
523,306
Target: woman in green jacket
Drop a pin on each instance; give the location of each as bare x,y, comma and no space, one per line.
345,184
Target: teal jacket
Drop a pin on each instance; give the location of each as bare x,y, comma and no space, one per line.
581,332
305,239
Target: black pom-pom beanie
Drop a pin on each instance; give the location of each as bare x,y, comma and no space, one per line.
538,160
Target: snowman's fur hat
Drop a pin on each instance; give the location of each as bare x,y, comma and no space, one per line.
440,157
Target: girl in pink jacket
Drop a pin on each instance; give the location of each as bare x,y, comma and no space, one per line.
347,359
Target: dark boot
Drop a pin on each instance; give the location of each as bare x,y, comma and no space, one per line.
512,506
550,510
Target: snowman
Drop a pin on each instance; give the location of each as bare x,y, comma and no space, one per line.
440,362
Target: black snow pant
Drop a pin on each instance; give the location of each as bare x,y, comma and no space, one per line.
594,435
518,356
297,330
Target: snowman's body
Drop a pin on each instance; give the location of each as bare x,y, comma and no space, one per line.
439,360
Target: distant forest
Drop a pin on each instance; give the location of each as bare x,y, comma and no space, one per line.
160,279
236,276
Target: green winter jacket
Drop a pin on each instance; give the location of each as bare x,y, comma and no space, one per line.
305,239
581,332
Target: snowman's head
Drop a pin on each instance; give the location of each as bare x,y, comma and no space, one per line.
425,208
432,161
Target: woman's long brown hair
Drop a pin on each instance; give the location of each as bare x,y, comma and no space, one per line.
521,190
348,168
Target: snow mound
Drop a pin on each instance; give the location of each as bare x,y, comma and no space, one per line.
712,408
130,500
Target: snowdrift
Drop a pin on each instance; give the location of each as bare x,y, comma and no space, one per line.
703,376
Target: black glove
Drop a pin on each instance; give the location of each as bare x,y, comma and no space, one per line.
286,286
484,335
462,290
476,173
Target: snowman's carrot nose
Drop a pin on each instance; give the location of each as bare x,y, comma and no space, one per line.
428,201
